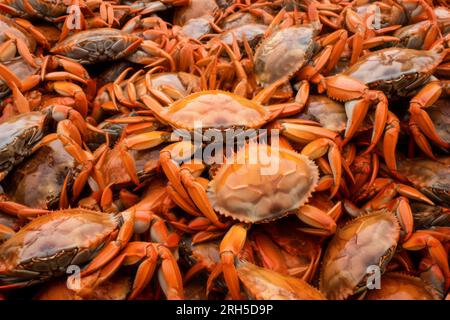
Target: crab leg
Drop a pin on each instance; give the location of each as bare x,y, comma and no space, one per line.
198,194
22,48
231,245
175,196
14,84
148,253
404,215
70,89
426,97
20,210
299,131
241,86
430,240
345,88
323,223
82,157
270,254
390,139
317,148
112,249
291,108
5,233
169,156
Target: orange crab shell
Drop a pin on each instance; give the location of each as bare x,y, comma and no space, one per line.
399,286
259,192
64,237
368,240
264,284
215,109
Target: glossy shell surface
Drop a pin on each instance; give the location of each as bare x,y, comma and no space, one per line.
252,191
429,176
366,241
50,243
264,284
283,53
215,109
95,45
397,286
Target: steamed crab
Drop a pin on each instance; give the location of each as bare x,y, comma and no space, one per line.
392,71
44,180
234,184
207,107
290,50
79,236
367,241
96,45
21,134
429,176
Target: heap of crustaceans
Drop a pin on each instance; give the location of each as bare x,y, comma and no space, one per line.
202,149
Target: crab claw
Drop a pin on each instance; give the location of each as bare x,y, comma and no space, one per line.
390,191
40,38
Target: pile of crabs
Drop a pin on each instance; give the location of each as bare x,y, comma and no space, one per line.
107,109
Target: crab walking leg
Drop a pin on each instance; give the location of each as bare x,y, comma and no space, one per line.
390,139
231,245
20,210
5,233
421,139
113,247
241,87
14,84
147,255
197,193
22,48
323,223
169,158
345,88
143,141
289,108
390,191
82,157
428,239
175,196
426,97
317,149
72,90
